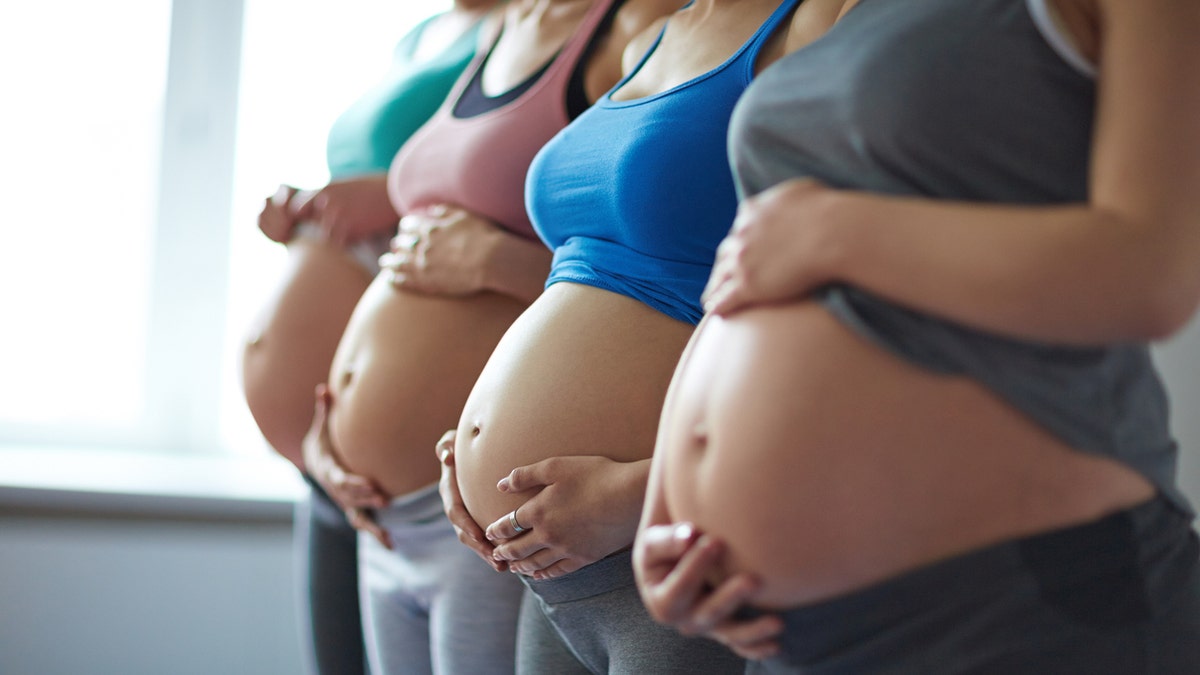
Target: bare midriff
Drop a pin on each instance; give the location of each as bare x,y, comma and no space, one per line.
582,372
400,377
828,464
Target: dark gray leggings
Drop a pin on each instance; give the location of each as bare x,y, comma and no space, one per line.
326,555
1120,596
596,615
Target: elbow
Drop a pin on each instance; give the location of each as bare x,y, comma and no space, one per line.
1170,306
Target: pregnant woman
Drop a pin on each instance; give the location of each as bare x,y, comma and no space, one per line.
334,236
922,432
466,264
634,196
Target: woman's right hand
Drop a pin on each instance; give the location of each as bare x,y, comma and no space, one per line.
276,219
468,530
357,495
349,210
674,565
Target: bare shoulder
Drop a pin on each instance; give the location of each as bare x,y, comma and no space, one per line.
811,20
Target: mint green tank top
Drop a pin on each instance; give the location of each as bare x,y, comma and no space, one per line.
366,137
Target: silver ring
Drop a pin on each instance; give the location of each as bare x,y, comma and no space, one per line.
512,520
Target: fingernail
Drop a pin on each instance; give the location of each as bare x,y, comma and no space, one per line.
684,531
504,484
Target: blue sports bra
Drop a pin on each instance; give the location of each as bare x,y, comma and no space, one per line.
634,196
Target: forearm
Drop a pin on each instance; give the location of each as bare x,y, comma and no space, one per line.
516,266
1070,274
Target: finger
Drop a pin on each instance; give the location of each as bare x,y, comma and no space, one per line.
720,274
506,528
756,639
444,449
722,604
405,241
558,569
362,521
727,299
527,477
410,224
471,536
537,563
362,491
283,194
520,548
678,593
665,544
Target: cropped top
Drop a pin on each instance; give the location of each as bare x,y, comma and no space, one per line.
635,196
980,101
367,135
479,162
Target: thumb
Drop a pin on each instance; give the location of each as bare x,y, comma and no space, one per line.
526,477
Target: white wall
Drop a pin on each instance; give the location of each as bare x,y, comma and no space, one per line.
130,594
1179,361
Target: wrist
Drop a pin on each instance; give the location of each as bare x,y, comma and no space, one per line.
496,258
838,229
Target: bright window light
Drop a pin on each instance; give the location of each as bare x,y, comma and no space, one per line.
82,123
302,64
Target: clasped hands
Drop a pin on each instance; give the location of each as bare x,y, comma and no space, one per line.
580,509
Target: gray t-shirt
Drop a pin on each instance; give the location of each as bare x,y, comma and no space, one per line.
970,101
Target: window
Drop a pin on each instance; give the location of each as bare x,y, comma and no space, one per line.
140,138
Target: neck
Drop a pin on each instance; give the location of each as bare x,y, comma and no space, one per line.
474,6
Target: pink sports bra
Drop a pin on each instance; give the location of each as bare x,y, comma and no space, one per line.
478,163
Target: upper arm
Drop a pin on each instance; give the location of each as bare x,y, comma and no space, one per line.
1146,150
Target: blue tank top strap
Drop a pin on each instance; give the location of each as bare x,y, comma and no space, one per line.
747,53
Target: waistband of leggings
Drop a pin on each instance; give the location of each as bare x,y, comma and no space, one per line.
1064,559
604,575
418,506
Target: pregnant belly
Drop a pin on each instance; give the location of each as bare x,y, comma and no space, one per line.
402,372
827,464
582,372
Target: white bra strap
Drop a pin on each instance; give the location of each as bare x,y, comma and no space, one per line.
1044,17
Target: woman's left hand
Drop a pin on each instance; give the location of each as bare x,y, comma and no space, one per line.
779,249
582,509
676,567
443,250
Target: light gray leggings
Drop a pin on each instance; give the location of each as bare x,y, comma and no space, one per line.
431,605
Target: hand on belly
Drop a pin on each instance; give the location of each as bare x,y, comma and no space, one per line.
579,510
682,583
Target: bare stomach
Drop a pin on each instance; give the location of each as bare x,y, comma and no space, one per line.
582,372
827,464
401,375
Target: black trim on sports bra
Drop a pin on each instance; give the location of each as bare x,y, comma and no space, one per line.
577,99
473,102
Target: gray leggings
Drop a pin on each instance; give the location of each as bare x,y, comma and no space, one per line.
431,605
1120,596
596,615
326,554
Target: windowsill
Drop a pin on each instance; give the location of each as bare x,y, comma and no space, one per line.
147,485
